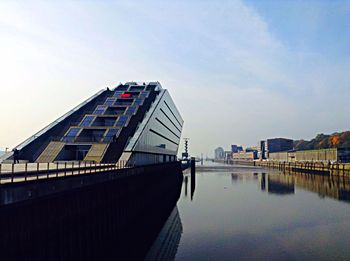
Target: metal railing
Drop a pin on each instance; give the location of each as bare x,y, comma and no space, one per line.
21,172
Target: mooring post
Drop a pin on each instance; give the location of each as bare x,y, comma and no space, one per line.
48,169
13,170
25,171
37,170
56,169
193,176
193,166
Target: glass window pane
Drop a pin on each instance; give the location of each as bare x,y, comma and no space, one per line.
131,110
144,94
112,133
117,93
71,134
100,110
110,101
139,101
87,121
122,120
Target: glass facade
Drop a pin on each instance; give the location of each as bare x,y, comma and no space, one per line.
87,121
100,109
160,131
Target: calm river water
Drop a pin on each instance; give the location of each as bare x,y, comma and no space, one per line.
247,213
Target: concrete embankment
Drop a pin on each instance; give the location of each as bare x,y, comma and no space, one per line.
339,169
103,216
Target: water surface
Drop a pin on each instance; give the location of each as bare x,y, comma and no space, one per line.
245,213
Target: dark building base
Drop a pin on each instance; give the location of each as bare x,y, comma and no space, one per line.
113,220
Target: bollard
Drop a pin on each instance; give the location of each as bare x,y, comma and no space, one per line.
37,170
12,172
56,169
25,171
48,168
193,166
193,176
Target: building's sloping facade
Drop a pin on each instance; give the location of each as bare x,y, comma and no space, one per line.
138,123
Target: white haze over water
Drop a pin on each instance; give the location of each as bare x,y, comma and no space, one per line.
238,71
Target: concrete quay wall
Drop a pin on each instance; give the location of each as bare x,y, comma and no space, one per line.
95,217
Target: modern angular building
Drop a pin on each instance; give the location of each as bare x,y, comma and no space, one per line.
136,123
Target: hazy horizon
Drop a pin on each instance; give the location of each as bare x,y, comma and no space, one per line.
238,71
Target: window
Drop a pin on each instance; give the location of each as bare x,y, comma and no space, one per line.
71,134
124,101
125,95
136,88
100,110
144,94
122,120
110,101
111,134
117,93
87,121
139,101
122,87
131,110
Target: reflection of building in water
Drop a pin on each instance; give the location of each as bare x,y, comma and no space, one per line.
234,177
167,242
277,184
326,186
263,182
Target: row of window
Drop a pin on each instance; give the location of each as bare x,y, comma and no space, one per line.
120,94
120,97
134,88
106,135
102,109
91,120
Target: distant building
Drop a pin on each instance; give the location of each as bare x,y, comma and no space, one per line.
278,145
251,149
245,155
262,150
236,148
219,153
322,155
228,155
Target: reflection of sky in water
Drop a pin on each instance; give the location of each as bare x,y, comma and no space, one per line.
232,216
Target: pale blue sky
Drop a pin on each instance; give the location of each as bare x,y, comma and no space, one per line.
239,71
